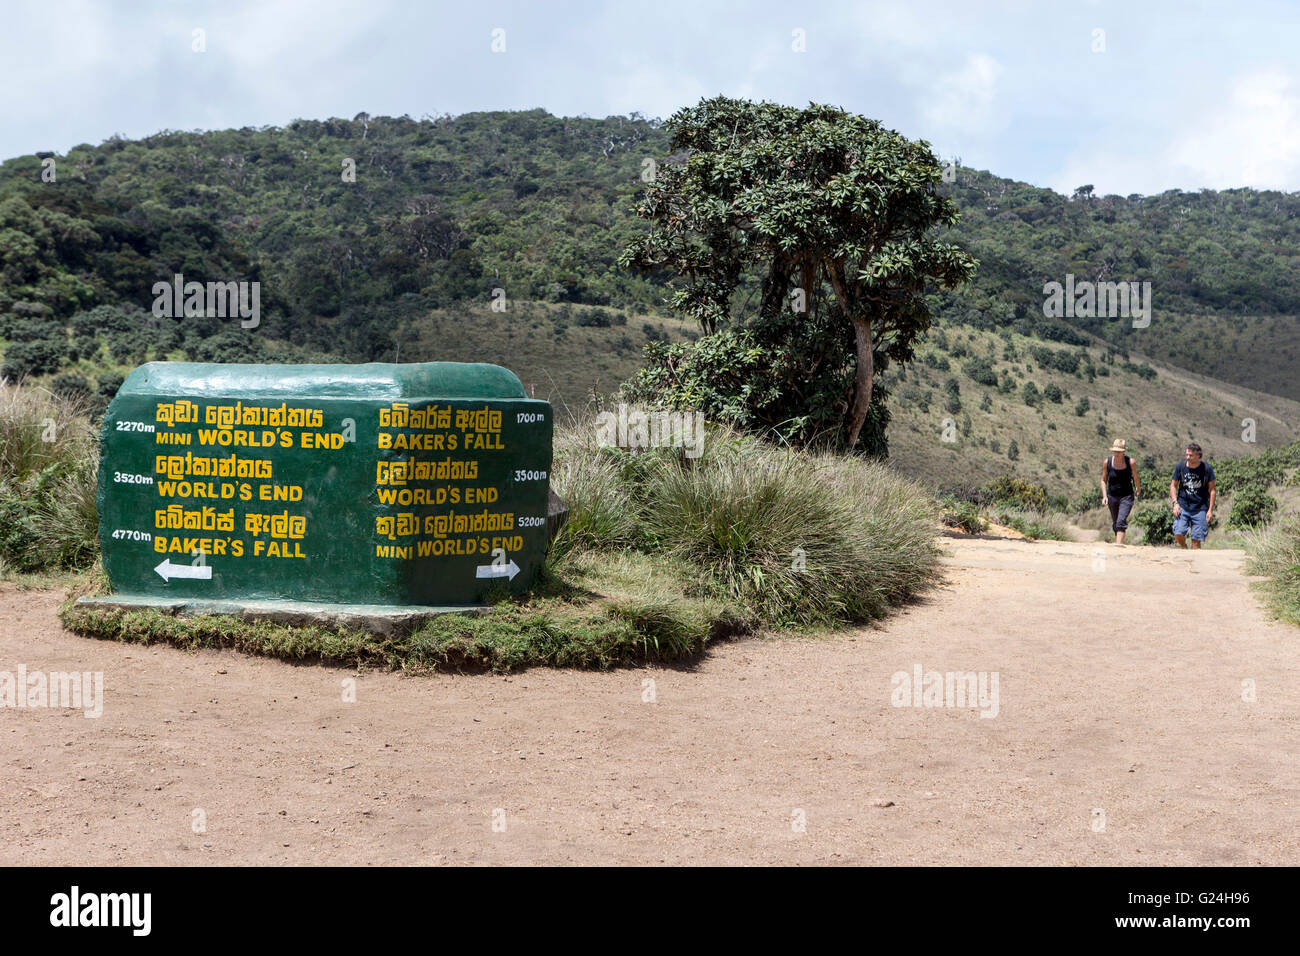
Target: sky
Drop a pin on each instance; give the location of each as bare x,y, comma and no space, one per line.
1130,97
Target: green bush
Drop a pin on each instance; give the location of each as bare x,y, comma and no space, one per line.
1017,491
1087,501
1252,506
594,318
37,357
962,515
1032,524
1267,468
981,370
1156,522
936,360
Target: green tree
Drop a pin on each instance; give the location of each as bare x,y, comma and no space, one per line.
811,199
952,399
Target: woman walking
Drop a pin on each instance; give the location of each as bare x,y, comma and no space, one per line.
1120,485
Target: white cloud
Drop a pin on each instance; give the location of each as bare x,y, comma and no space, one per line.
653,90
1251,137
1254,140
962,102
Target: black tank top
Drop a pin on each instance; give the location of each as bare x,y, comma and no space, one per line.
1119,484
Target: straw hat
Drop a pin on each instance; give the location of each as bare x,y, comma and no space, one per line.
1119,445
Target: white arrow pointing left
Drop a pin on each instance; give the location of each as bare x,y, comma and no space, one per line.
497,570
169,570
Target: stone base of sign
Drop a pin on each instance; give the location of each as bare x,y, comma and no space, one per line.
381,619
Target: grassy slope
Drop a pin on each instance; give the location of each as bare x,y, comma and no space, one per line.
564,369
1263,351
1154,416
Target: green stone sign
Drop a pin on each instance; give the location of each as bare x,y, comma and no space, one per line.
397,485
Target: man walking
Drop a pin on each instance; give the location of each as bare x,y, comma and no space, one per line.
1193,493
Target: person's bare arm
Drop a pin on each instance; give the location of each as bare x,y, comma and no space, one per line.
1137,482
1104,486
1173,496
1214,493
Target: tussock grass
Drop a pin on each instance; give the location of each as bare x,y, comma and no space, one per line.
49,463
1039,525
1275,554
795,539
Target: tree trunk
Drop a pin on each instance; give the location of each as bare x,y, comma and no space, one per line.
866,353
866,374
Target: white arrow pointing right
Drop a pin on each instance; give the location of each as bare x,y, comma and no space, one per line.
497,570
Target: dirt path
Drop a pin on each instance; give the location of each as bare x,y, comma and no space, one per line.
1120,690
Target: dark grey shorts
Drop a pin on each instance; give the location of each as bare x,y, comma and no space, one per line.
1119,510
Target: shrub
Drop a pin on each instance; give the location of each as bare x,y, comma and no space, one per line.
1030,394
1058,359
1032,524
952,399
1156,522
1087,501
936,360
1252,506
1053,393
71,387
1267,468
981,370
38,357
964,516
1143,371
1018,491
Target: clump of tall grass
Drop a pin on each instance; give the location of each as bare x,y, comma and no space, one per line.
1275,554
49,464
793,537
1039,525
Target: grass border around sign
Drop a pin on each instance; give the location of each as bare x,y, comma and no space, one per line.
591,611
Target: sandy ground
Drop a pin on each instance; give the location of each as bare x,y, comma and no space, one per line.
1120,692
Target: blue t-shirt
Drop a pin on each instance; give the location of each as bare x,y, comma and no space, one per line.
1193,486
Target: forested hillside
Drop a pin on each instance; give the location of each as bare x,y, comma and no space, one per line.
359,229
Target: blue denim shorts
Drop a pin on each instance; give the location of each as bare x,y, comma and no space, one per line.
1196,521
